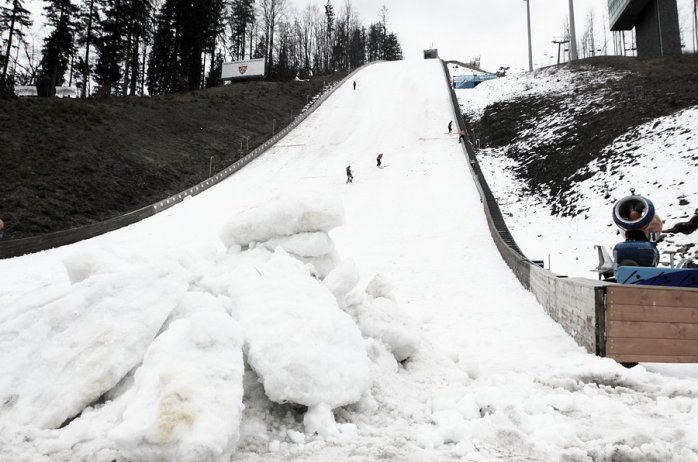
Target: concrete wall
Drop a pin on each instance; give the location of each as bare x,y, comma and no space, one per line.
657,30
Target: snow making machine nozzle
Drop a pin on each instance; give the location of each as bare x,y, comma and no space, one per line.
640,227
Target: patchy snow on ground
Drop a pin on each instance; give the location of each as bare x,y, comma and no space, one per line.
549,81
209,329
658,159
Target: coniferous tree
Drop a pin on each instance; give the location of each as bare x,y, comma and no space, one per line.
138,30
214,77
58,46
374,42
162,58
215,31
186,30
87,35
329,28
110,48
357,48
12,19
391,48
242,18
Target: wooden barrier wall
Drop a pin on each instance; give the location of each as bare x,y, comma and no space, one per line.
577,304
652,324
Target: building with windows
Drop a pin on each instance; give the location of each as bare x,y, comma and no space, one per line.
656,24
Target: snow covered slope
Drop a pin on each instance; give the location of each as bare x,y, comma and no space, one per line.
489,375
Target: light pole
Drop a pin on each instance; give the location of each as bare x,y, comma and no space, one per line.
530,49
559,44
573,35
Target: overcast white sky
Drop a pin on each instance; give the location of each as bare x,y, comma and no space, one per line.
492,29
495,30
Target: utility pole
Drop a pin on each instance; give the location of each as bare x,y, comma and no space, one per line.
695,26
573,35
530,49
559,44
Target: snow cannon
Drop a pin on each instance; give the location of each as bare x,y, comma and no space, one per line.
636,218
641,227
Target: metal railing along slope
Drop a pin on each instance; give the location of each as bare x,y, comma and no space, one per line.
17,247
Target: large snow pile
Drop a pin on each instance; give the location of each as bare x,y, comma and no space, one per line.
143,359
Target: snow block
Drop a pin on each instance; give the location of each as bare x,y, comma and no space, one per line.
82,265
323,264
342,280
379,286
186,403
283,217
304,348
59,357
303,244
382,319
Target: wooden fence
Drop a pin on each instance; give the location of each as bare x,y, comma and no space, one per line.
652,324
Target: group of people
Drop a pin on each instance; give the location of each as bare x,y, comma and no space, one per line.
350,174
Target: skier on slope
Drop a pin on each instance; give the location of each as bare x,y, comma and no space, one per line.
450,127
350,176
378,159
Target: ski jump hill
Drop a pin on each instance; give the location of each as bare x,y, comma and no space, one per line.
425,221
402,117
399,109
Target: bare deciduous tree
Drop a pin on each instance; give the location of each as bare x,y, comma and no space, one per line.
271,11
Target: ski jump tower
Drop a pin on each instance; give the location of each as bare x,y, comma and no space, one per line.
656,24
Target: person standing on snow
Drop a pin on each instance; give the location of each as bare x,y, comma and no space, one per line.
354,84
450,126
378,159
461,136
350,176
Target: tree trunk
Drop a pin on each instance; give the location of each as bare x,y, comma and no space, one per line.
9,44
86,71
127,63
134,67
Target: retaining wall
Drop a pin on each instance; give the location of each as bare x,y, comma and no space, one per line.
576,304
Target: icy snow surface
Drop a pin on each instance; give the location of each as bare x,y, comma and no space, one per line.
409,270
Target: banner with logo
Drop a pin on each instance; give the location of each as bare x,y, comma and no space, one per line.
243,69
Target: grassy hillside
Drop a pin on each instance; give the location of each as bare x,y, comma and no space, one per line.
66,163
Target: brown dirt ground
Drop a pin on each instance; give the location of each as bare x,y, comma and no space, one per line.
71,162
